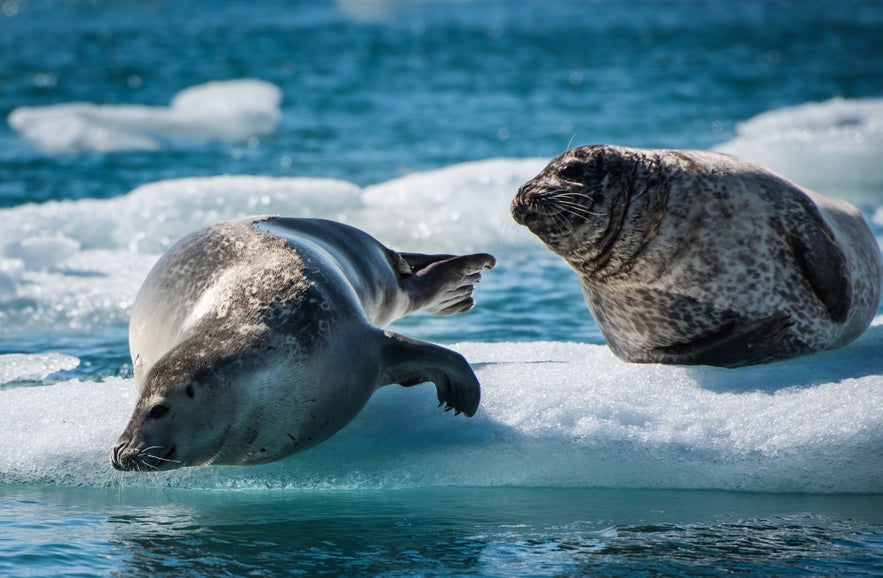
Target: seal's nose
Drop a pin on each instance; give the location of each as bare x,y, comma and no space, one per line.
520,207
116,459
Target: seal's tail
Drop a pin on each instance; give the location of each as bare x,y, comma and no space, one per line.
443,284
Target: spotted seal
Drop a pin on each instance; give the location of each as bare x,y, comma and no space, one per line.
692,257
256,338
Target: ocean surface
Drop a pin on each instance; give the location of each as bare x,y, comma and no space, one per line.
128,124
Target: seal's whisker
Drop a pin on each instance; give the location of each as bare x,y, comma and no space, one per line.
166,460
578,213
571,197
558,193
562,196
573,213
560,222
567,193
576,208
145,454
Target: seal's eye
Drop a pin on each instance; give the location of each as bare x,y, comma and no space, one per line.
573,172
158,411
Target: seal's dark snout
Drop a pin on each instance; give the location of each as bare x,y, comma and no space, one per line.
116,456
521,208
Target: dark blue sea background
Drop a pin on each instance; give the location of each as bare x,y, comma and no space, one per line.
128,124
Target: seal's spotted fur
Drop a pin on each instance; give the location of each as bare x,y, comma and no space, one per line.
703,258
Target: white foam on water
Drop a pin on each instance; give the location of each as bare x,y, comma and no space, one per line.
552,415
833,146
223,110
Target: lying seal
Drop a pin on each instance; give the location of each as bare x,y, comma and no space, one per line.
257,338
692,257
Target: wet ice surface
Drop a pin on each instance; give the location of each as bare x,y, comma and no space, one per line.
552,415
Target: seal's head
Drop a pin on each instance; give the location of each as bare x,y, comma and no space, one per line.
205,403
179,419
579,204
572,196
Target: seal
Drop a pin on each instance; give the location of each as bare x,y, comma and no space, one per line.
692,257
256,338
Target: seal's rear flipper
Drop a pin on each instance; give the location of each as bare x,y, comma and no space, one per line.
409,362
739,343
419,261
443,284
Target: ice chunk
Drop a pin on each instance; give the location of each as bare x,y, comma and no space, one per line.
552,414
460,208
35,367
224,110
833,146
41,252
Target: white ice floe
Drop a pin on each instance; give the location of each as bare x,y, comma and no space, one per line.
835,146
21,367
223,110
552,415
460,208
67,261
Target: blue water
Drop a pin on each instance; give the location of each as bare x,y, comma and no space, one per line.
427,115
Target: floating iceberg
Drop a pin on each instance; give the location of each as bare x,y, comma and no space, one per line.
833,146
553,414
225,110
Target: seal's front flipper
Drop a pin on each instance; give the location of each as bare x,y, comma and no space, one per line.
409,362
739,343
824,266
443,284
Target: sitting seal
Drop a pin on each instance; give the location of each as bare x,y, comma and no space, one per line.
692,257
257,338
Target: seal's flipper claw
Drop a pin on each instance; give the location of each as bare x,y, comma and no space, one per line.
443,284
409,362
